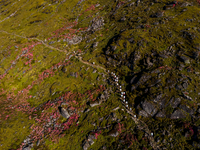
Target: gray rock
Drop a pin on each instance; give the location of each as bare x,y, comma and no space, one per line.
113,48
94,103
186,96
185,4
138,2
133,87
187,134
158,139
177,114
64,112
189,20
131,4
158,14
158,97
160,115
101,119
27,144
38,143
143,113
96,24
94,71
152,3
72,74
79,2
184,59
156,23
85,145
91,138
155,82
113,116
162,103
198,110
144,78
148,61
156,71
95,44
164,141
76,74
107,52
149,108
146,90
186,109
163,56
74,40
134,80
123,18
131,40
185,85
175,102
113,133
179,87
185,9
102,97
26,148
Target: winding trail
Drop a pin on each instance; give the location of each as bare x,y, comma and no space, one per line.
87,63
140,124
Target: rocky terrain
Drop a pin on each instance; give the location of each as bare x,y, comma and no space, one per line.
98,75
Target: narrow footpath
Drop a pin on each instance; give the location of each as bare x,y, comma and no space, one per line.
140,124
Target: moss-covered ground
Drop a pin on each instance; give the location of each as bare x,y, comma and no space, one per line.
41,70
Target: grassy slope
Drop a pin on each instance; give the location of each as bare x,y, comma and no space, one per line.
39,19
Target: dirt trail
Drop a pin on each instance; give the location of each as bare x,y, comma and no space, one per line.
87,63
140,124
51,47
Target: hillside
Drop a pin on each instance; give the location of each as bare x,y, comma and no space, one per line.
98,75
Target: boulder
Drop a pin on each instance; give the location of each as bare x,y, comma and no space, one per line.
175,102
85,145
177,114
113,133
186,109
131,40
162,103
160,115
96,24
74,40
95,103
91,138
149,108
143,113
64,112
95,44
158,14
184,59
